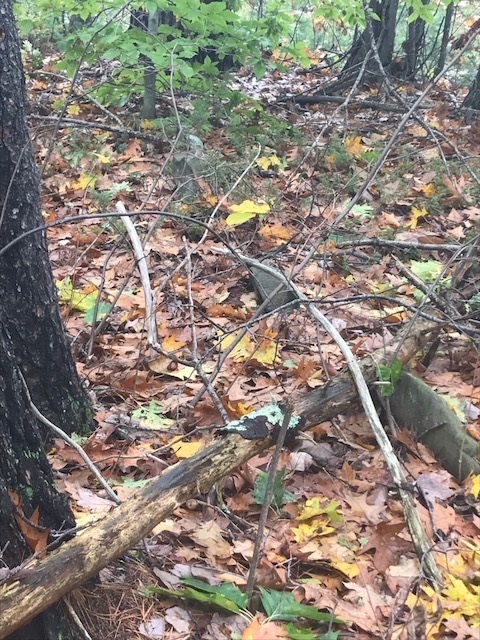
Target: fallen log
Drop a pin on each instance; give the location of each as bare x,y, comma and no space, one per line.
41,583
415,406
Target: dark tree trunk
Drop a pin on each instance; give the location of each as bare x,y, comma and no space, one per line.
26,488
472,99
147,21
32,343
27,291
384,34
447,25
414,45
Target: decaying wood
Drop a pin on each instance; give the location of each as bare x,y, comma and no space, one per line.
415,406
42,582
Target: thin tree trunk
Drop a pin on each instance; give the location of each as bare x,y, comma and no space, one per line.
447,25
32,343
29,502
149,110
414,44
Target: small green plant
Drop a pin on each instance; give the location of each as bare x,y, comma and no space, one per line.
92,309
387,378
335,154
104,197
129,483
280,495
278,605
151,417
429,271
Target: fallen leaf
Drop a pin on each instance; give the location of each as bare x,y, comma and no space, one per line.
210,536
153,628
263,631
187,449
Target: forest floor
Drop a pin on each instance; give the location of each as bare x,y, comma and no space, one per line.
336,538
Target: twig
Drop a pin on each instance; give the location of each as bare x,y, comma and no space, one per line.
144,276
198,365
242,330
76,619
391,89
380,243
58,120
39,415
388,147
363,104
82,92
94,331
84,124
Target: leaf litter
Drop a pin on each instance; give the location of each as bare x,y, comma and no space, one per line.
354,558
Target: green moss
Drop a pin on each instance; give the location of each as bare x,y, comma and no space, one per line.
82,414
26,491
32,454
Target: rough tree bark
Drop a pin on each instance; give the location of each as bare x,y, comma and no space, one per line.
414,45
32,343
27,290
26,488
384,34
447,25
472,99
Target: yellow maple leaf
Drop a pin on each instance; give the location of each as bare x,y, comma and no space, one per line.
468,596
210,199
429,189
475,488
186,449
238,409
311,509
277,231
316,528
147,124
85,181
102,159
267,355
267,351
245,211
349,569
265,162
79,300
354,146
73,110
415,216
241,351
